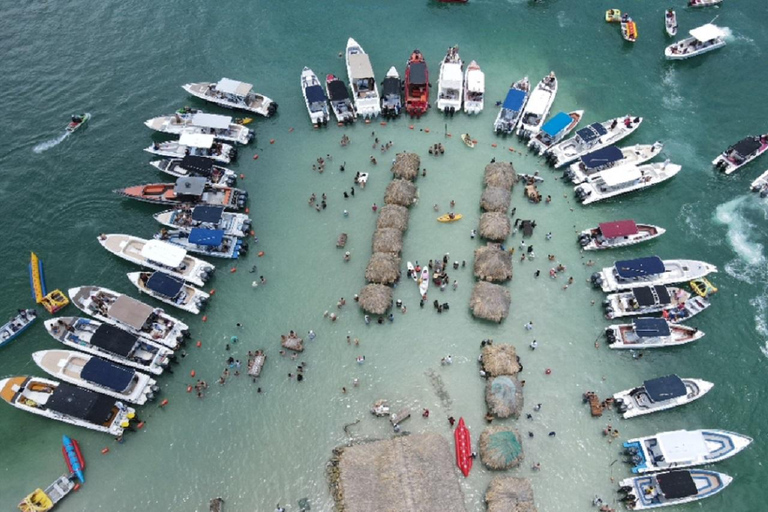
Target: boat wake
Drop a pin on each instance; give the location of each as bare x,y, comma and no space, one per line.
730,37
45,146
563,20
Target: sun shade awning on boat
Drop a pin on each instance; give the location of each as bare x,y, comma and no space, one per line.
451,76
651,327
197,164
706,32
557,124
592,132
165,284
163,253
211,121
418,73
651,296
360,66
193,186
677,484
207,214
113,340
604,156
538,101
665,388
315,94
80,403
476,80
618,228
620,175
338,90
746,147
196,140
206,237
130,311
641,267
228,86
107,374
515,99
681,446
391,87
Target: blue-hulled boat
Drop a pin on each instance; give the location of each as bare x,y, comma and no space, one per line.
671,488
512,108
16,325
208,242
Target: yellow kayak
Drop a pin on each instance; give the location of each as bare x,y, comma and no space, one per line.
449,217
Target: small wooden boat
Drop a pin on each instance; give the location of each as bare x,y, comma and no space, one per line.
400,416
41,500
17,325
416,85
72,456
342,240
216,505
465,137
449,217
670,22
463,448
77,122
613,16
628,29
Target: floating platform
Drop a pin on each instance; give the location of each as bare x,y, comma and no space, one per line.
256,363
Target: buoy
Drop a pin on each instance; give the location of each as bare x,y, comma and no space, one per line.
242,176
290,130
339,124
410,127
199,343
212,292
192,373
367,121
448,135
474,141
494,145
383,123
233,270
189,389
271,141
253,233
512,149
76,487
261,253
205,318
104,450
164,403
140,425
426,130
255,157
247,210
548,371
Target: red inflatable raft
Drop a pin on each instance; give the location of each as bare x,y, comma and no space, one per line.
463,447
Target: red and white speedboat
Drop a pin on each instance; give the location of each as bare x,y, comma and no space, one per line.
416,85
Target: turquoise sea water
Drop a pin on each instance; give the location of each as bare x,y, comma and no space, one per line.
124,63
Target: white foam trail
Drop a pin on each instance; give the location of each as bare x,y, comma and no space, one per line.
740,231
44,146
761,326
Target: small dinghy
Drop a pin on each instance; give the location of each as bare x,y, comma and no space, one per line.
196,167
209,217
670,22
621,233
342,240
416,85
171,290
341,104
555,130
197,144
233,94
611,156
206,242
474,89
512,107
741,153
660,394
391,101
467,140
671,488
760,185
650,333
41,500
314,98
17,325
613,16
256,362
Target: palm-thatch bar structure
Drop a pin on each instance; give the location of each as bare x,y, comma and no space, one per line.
413,472
383,268
375,298
493,264
393,216
501,448
495,199
406,166
490,301
500,174
401,192
388,240
494,226
499,359
510,494
504,396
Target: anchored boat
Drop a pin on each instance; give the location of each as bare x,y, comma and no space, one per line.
621,233
314,98
170,289
611,156
208,242
741,153
341,105
671,488
628,274
538,106
41,500
211,217
760,185
391,102
187,191
16,325
670,22
620,180
675,304
474,89
705,38
198,122
650,333
196,144
660,394
509,114
416,85
554,130
232,94
196,167
592,138
364,91
703,3
450,85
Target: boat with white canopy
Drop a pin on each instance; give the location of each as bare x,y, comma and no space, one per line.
211,217
450,84
362,81
741,153
671,488
592,138
538,106
170,289
195,144
649,271
705,38
196,167
474,89
645,333
620,233
555,130
660,394
611,156
198,122
621,180
230,93
314,98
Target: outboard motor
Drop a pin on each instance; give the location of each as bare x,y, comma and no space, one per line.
626,489
595,278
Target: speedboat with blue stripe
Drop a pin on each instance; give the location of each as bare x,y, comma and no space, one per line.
649,271
671,488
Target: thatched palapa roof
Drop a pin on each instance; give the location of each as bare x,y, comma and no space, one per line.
388,240
499,359
494,226
375,298
413,472
501,448
493,264
510,494
401,192
490,301
500,174
393,216
495,199
406,166
504,396
383,268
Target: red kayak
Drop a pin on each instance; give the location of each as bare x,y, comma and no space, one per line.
463,448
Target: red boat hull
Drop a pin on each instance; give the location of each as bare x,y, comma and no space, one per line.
463,448
416,94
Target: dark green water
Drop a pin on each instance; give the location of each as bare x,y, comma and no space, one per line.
124,63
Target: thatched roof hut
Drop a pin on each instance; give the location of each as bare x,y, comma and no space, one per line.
406,166
500,174
413,472
504,396
393,216
494,226
493,264
490,301
375,298
495,199
401,192
499,359
388,240
510,494
501,448
383,268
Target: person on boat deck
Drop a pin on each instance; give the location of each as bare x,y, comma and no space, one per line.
77,119
451,215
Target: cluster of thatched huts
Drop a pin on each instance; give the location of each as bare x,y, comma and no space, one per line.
384,266
493,264
503,392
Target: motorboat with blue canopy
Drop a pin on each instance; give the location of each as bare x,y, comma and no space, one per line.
114,340
337,90
512,107
557,124
104,373
515,99
651,327
601,158
207,214
648,332
664,388
315,94
647,296
671,488
81,403
660,394
641,267
165,284
208,242
206,237
591,132
649,271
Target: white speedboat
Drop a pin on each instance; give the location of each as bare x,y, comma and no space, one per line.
198,122
644,300
391,94
232,94
555,130
512,107
649,271
98,375
670,22
207,242
196,167
611,156
134,316
671,488
741,153
683,449
592,138
424,282
211,217
365,94
450,84
67,403
538,106
703,3
474,89
314,98
16,325
705,38
170,289
338,95
197,144
620,180
650,333
659,394
760,185
158,255
111,343
620,233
